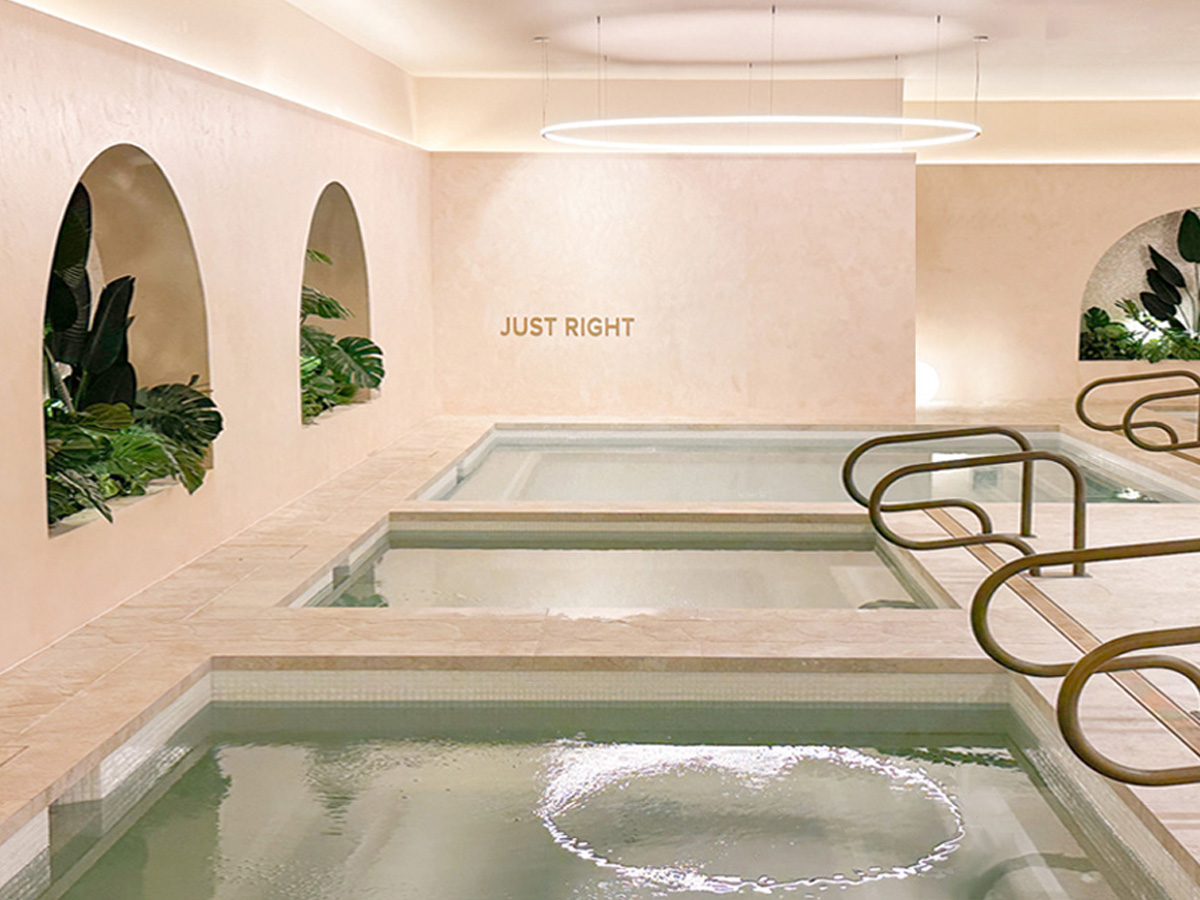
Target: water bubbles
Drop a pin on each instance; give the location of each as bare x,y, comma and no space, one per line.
586,786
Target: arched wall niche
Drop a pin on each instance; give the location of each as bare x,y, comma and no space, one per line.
335,232
1121,272
139,229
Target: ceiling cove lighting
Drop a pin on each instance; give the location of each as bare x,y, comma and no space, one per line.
685,134
777,134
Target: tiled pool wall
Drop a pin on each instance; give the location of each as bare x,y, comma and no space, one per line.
757,532
129,772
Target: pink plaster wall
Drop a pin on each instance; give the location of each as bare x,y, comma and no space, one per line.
247,169
1003,257
761,288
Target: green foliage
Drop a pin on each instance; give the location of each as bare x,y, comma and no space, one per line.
103,452
1102,338
181,414
1164,321
332,370
314,303
104,437
94,347
1169,288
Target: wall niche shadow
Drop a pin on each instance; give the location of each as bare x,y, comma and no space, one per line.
339,364
139,229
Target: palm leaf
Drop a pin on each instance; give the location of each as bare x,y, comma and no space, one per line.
138,457
315,341
315,303
74,238
69,490
106,340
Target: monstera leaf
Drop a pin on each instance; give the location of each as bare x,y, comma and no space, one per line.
180,413
357,360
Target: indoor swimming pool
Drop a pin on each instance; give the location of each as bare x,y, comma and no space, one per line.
715,465
633,567
511,801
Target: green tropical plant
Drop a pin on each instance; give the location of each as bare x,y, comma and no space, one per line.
1102,338
105,437
1168,285
1162,322
332,370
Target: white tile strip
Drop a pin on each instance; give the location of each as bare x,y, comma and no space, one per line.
1092,803
151,741
25,859
532,686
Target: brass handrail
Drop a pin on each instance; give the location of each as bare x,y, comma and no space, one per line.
876,507
984,594
1106,658
1127,425
946,434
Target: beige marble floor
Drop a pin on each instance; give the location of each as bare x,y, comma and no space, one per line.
65,708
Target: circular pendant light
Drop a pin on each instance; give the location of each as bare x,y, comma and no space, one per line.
757,134
778,134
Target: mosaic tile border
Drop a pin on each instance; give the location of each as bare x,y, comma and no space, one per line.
1098,807
129,772
25,860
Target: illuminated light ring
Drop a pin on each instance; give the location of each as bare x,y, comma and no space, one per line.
580,770
957,133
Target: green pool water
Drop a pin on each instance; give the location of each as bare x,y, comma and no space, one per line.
709,466
514,802
633,569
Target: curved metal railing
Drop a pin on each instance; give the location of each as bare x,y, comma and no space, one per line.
986,533
1128,426
1112,657
975,509
876,507
1109,657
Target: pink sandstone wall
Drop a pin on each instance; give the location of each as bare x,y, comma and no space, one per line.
247,169
747,288
1003,256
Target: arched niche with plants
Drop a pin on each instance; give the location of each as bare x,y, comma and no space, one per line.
1142,300
339,363
125,347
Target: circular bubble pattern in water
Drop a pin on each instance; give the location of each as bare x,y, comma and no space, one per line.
578,774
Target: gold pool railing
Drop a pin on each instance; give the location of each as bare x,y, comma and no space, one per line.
1124,658
1128,426
1109,657
1026,456
1012,434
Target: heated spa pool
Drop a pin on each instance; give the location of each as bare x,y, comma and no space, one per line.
715,465
512,801
633,567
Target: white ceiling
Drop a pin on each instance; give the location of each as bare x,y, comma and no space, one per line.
1037,49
